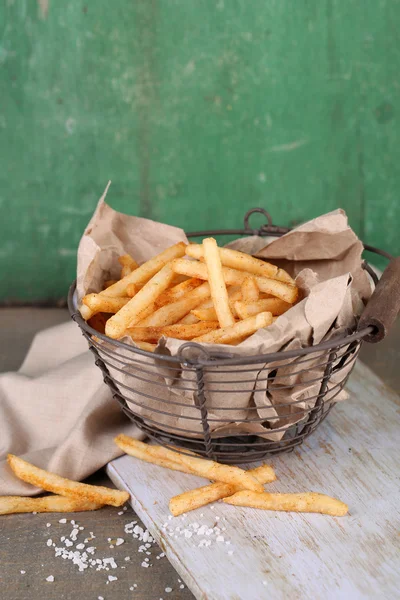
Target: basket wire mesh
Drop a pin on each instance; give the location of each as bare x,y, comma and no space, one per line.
181,401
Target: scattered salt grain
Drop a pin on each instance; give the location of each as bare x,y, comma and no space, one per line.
80,546
127,558
23,572
168,590
145,564
119,541
100,598
112,578
121,512
34,512
62,521
68,543
181,586
131,588
72,522
48,524
81,528
49,542
125,508
50,578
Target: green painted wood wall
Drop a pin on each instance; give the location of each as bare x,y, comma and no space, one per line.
196,110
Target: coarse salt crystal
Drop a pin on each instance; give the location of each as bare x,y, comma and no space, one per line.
181,586
62,521
68,543
112,578
49,542
119,541
100,598
127,558
81,528
168,590
145,564
72,522
121,512
80,546
48,524
50,578
23,572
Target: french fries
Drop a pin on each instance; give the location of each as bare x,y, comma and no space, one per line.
249,289
131,312
215,491
280,289
306,502
172,313
19,504
65,487
276,306
197,466
219,293
214,299
238,330
178,331
178,291
97,303
243,262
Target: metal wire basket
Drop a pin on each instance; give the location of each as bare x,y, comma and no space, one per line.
143,383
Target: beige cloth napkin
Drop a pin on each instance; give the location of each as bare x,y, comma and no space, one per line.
56,411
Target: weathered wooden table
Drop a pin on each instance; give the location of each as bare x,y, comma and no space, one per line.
26,559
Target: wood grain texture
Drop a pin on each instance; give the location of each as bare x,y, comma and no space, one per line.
353,456
196,112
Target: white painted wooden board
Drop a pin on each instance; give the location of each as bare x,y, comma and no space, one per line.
353,455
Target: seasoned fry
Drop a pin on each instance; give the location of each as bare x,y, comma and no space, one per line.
276,306
215,491
178,331
197,466
127,261
108,283
145,346
282,290
97,303
19,504
306,502
131,290
172,313
65,487
189,319
250,291
145,313
206,310
140,275
178,291
239,330
216,280
130,314
243,262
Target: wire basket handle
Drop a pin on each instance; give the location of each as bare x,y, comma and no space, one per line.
384,304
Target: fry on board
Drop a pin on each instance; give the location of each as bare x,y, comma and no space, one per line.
305,502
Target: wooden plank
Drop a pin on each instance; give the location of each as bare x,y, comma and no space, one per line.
197,111
353,456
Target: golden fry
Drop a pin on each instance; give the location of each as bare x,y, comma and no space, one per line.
178,331
197,466
108,283
97,303
65,487
215,491
250,291
276,306
127,261
282,290
239,330
131,290
216,280
243,262
178,291
172,313
57,504
131,313
306,502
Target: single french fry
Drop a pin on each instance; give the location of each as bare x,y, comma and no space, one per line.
206,310
140,275
198,466
131,290
108,283
280,289
243,262
57,504
125,271
130,314
276,306
146,313
215,491
97,303
145,346
177,331
172,313
216,280
238,330
306,502
65,487
178,291
127,261
250,291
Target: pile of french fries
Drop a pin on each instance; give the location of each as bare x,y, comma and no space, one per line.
214,295
230,484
